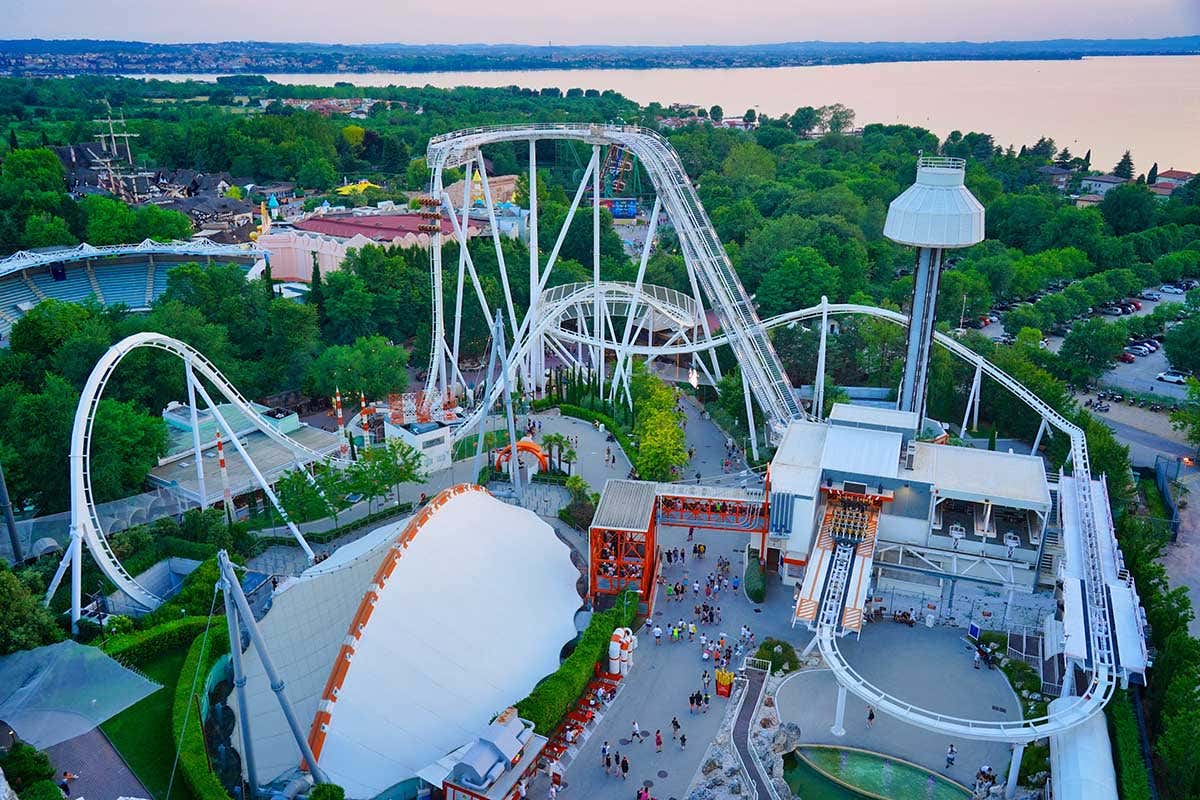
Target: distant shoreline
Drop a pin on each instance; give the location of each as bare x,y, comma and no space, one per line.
58,58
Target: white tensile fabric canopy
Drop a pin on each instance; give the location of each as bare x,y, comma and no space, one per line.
472,613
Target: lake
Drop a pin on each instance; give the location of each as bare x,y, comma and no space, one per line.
1148,104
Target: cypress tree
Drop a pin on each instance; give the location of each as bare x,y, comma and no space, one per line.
1124,167
12,139
1087,159
1152,177
316,293
45,141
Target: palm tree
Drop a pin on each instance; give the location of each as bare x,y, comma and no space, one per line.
569,455
555,443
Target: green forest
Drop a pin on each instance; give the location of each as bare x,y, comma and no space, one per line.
801,217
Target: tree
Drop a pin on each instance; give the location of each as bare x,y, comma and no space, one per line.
1090,348
316,292
1023,316
747,160
750,116
46,230
838,118
24,622
1152,176
371,365
1124,167
798,282
716,113
348,307
161,224
32,180
1182,345
1064,158
1087,159
13,145
1187,418
317,173
109,221
1129,208
804,119
661,446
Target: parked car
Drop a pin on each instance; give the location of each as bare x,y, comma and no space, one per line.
1129,301
1138,350
1171,376
1168,288
1189,283
1148,295
1150,345
1110,311
1126,358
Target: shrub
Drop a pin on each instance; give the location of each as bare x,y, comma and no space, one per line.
756,578
554,695
327,791
786,657
587,415
25,765
193,761
195,596
42,790
118,624
139,647
1127,749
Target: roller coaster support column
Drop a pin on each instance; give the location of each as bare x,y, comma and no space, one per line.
9,522
239,682
818,403
1014,770
915,380
191,387
973,400
839,718
750,418
537,350
598,313
247,618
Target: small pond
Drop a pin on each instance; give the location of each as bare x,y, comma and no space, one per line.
817,772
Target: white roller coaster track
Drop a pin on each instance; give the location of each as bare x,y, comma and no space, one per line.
85,524
705,257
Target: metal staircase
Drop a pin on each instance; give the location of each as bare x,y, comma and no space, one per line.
835,586
95,284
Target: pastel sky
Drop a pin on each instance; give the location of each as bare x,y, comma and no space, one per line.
594,22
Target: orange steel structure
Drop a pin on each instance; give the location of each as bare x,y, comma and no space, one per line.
524,446
630,558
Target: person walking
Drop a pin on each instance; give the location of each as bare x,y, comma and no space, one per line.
951,754
691,704
552,792
870,716
683,741
657,635
624,768
705,679
658,741
637,732
674,727
707,697
604,750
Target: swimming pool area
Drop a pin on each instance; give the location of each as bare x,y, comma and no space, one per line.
820,772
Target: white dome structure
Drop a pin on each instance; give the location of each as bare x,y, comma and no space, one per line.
402,646
938,210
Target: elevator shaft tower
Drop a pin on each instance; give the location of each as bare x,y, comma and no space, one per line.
935,214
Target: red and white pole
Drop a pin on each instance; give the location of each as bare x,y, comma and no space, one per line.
366,421
224,479
343,448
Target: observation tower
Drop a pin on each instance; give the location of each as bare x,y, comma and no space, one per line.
936,213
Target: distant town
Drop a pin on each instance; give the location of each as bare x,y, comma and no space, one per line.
42,57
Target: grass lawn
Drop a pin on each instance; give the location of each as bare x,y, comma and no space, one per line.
142,732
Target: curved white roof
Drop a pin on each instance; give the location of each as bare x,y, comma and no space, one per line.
467,611
937,210
1081,759
425,628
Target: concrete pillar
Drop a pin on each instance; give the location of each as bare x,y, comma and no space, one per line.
838,728
1014,769
1068,684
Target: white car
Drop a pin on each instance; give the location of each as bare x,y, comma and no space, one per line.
1137,350
1171,376
1151,296
1169,289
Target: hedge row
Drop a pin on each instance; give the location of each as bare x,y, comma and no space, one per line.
140,647
587,415
1127,749
325,537
756,578
558,692
193,761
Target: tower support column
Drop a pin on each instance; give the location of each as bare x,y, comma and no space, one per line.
915,381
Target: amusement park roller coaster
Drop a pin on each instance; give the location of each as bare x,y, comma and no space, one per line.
570,321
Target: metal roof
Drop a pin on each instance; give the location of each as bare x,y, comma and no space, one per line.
626,505
937,210
24,259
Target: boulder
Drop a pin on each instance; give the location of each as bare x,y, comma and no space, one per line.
715,781
769,701
735,786
710,766
787,738
731,772
701,793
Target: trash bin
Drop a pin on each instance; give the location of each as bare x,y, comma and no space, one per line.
929,620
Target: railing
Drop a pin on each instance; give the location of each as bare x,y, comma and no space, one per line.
25,259
941,162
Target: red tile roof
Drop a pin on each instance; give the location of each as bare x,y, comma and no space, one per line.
1176,174
380,227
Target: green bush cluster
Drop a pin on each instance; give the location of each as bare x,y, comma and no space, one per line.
755,579
193,761
555,694
25,766
786,657
139,647
42,790
327,791
1132,775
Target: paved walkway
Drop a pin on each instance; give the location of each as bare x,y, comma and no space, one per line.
929,667
1182,557
103,774
755,679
